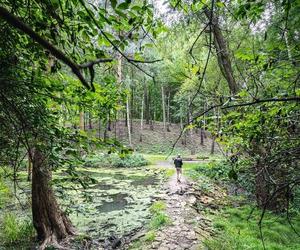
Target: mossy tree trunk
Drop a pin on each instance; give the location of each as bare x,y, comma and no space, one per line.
51,224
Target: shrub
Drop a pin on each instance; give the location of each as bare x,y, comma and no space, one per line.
115,160
14,231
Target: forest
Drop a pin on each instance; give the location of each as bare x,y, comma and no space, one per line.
100,100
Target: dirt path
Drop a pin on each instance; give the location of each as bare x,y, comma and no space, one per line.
185,231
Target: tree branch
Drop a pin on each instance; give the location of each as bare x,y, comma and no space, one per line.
20,25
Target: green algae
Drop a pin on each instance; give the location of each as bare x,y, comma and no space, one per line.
120,201
116,204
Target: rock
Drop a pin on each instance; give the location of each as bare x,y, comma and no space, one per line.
192,236
164,248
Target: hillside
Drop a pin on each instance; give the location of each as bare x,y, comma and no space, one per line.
154,139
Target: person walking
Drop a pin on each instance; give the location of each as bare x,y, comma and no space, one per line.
178,165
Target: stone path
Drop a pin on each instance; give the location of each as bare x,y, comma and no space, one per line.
187,227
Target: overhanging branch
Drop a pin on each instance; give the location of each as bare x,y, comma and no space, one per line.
18,24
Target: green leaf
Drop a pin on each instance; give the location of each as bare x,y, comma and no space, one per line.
123,6
113,3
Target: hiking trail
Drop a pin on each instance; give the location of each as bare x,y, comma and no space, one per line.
188,227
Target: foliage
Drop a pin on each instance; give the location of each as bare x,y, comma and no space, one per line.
157,207
159,218
236,232
116,160
150,236
5,192
14,230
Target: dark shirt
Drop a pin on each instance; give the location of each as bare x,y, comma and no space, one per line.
178,163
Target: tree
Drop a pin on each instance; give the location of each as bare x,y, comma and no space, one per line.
77,39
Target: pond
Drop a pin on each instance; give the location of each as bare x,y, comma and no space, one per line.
116,204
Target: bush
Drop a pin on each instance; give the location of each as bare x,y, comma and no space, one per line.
218,170
14,231
224,171
115,160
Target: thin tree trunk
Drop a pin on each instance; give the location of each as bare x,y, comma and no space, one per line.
81,120
51,224
183,141
107,128
142,120
202,136
163,107
212,150
90,121
116,123
128,121
192,146
29,169
168,112
99,128
285,34
147,108
131,108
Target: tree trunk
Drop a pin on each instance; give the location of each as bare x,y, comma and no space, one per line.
168,112
51,224
270,194
90,121
192,146
147,108
99,128
222,51
163,107
29,168
183,141
81,120
131,107
142,120
201,136
212,149
128,121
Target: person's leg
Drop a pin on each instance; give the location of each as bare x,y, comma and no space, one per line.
177,172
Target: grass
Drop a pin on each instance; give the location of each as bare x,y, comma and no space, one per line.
235,232
13,231
154,158
159,218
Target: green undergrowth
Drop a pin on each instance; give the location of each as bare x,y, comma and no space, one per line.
154,158
159,217
15,232
115,160
5,193
236,231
